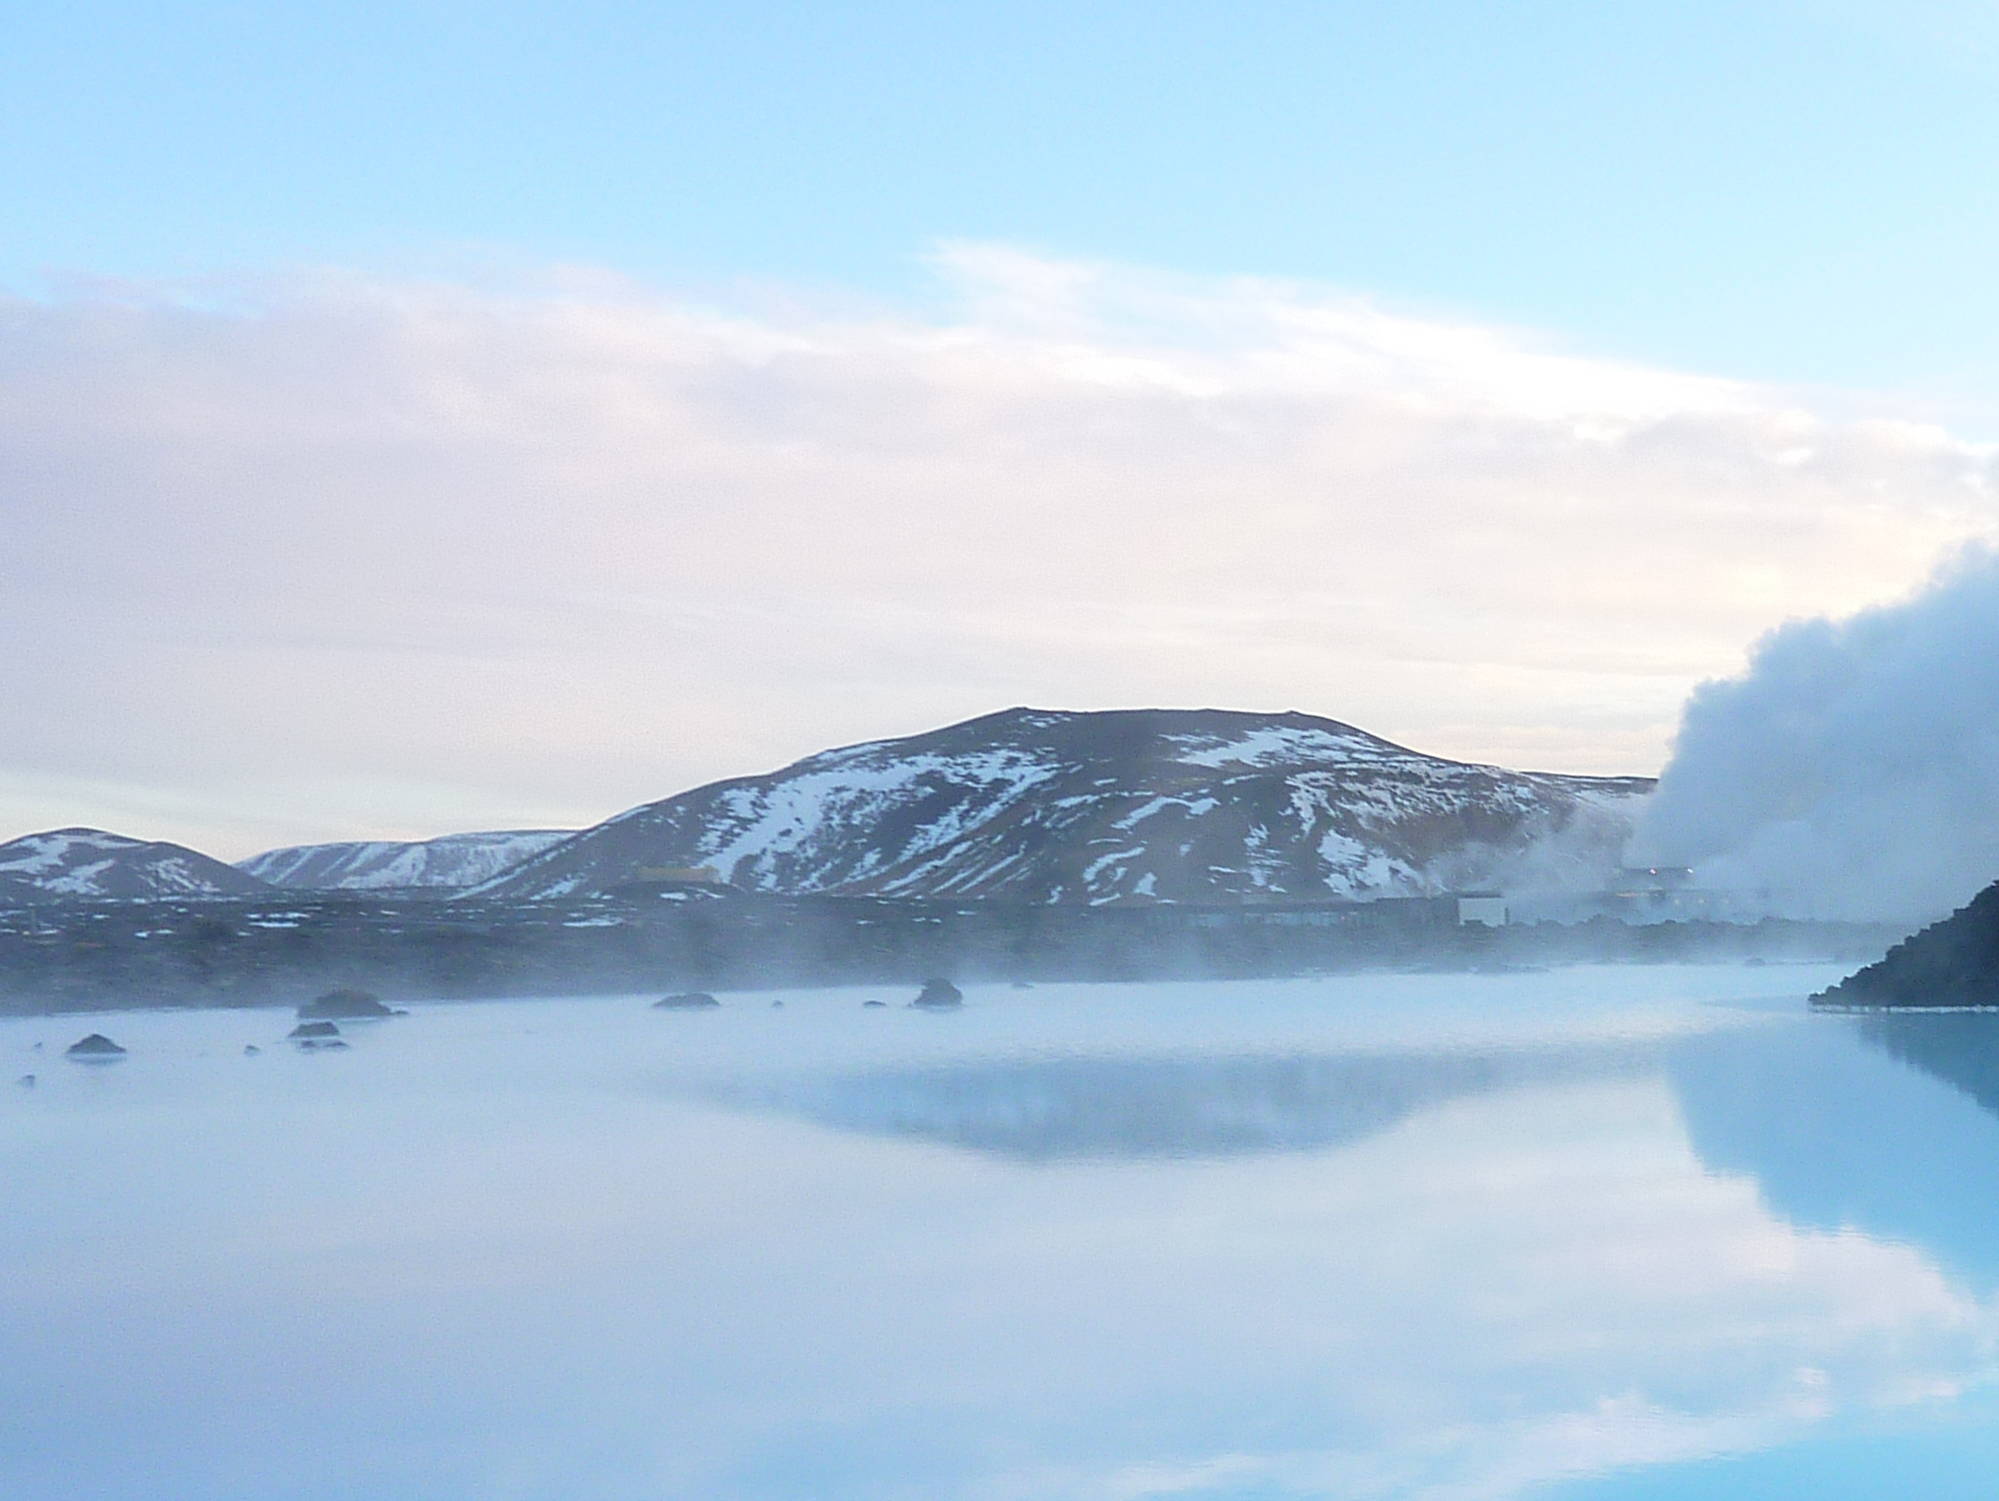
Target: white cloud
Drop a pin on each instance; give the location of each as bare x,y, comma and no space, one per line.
332,556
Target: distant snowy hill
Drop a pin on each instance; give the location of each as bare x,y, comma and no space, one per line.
89,864
454,860
1183,805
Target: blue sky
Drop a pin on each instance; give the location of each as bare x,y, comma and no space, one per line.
493,416
1790,191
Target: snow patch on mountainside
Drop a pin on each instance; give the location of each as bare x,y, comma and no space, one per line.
1280,745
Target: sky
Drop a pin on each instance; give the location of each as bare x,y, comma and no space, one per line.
429,417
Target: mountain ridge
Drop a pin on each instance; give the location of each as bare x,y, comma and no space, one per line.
1021,804
84,864
446,862
1107,805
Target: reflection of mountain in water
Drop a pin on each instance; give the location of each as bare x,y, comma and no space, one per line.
1047,1109
1845,1125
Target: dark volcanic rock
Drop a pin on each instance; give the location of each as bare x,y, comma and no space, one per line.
939,995
313,1029
1953,963
344,1005
690,1000
96,1045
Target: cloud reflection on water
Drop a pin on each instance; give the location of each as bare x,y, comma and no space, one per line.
1009,1256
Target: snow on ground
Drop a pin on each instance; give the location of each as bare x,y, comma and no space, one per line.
1283,745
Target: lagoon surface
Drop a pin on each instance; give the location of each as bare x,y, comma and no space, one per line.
1617,1233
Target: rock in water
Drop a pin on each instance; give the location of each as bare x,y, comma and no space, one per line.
320,1044
689,1000
343,1005
26,1081
312,1029
939,995
251,1050
96,1045
866,1004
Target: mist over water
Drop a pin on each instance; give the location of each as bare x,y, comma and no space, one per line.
1383,1237
1853,770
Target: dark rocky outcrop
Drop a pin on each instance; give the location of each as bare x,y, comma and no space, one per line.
687,1000
866,1004
96,1045
344,1005
1950,964
251,1050
939,995
321,1045
312,1029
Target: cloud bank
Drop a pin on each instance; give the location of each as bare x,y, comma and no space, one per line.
1853,770
336,557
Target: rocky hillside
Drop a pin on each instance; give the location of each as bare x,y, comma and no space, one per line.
1952,963
91,865
1045,806
450,862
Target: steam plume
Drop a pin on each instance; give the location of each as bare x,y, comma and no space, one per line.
1853,770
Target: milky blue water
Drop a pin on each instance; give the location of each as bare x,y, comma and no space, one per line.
1603,1233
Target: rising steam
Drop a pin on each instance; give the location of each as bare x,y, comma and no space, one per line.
1853,770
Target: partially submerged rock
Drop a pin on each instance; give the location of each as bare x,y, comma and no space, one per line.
251,1050
96,1045
26,1081
1951,965
866,1004
313,1029
687,1000
344,1005
939,995
321,1045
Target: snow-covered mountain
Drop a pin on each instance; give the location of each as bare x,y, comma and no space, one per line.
89,864
1167,804
454,860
